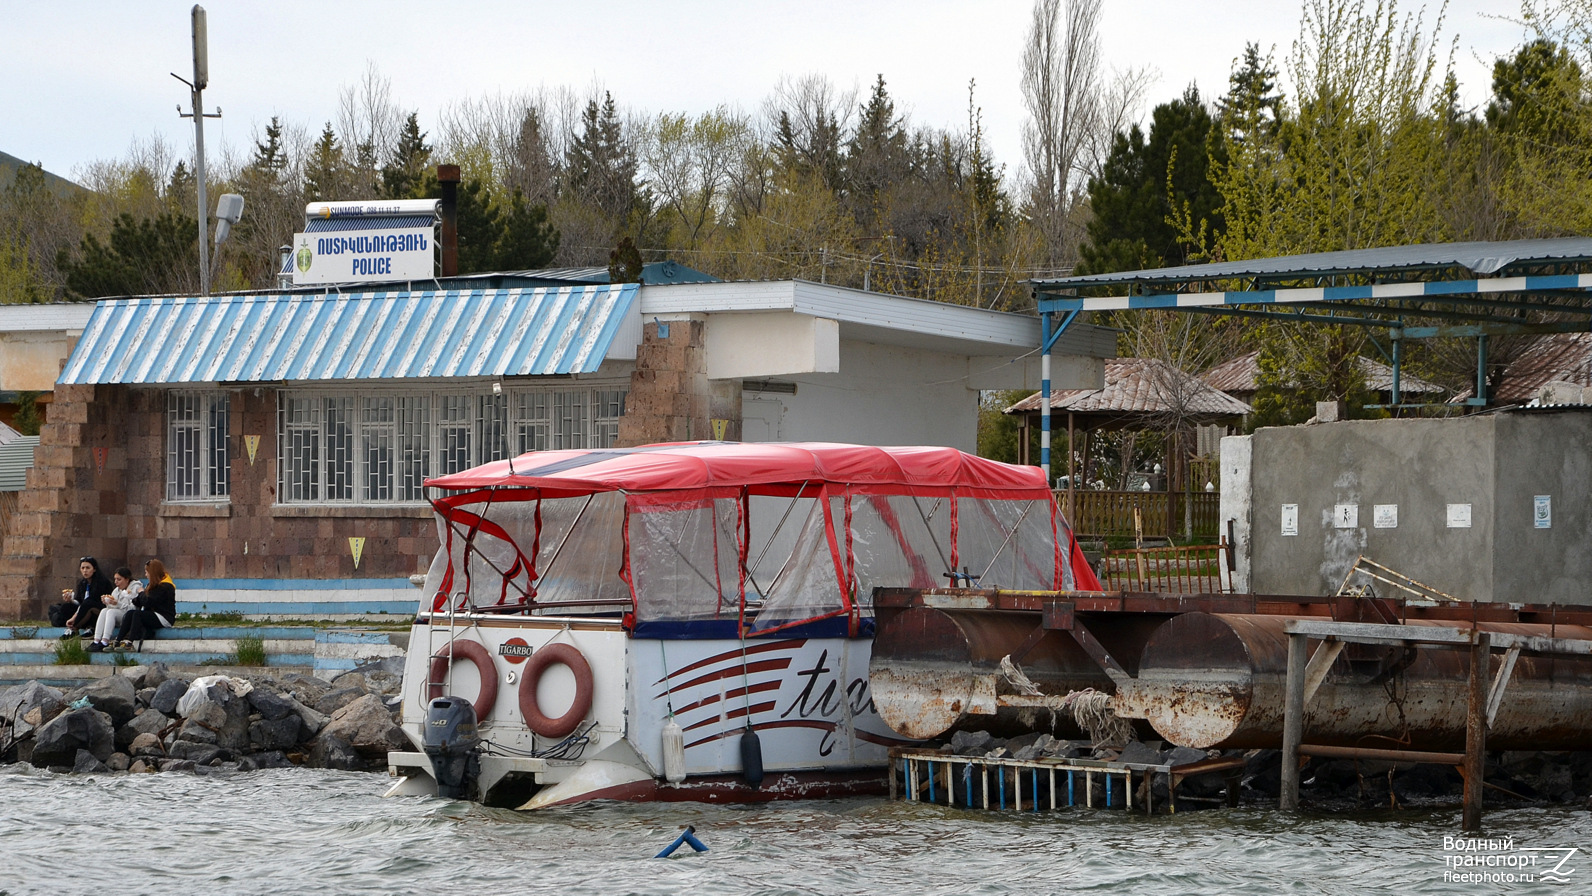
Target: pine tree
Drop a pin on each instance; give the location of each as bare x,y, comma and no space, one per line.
526,240
1252,107
151,256
406,168
326,173
601,163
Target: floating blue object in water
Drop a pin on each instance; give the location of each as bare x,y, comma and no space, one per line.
686,836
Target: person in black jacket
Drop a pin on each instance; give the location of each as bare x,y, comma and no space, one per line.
154,609
86,597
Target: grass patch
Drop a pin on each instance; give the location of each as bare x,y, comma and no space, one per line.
120,658
24,632
250,651
71,652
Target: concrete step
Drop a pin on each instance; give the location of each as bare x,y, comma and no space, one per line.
67,677
324,652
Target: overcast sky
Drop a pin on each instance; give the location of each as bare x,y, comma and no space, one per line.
85,79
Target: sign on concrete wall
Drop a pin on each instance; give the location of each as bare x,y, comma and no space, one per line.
1542,512
1346,516
363,255
1459,516
1385,516
1290,519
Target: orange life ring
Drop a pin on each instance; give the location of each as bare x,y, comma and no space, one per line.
475,653
535,719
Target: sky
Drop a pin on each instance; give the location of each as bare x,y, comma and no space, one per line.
87,78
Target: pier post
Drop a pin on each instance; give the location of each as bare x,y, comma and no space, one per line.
1293,722
1476,730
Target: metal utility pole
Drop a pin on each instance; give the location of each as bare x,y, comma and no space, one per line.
201,79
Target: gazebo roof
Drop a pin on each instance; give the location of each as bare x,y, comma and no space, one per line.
1241,374
1141,390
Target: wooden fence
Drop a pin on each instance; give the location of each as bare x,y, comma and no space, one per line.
1194,569
1108,513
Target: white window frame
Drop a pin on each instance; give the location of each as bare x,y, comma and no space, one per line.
198,447
344,446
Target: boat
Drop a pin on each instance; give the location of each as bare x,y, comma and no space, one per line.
692,621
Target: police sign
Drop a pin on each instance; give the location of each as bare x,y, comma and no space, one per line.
404,254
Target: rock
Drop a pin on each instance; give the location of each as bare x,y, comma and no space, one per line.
146,745
1024,746
971,743
150,676
199,753
331,751
367,726
1262,772
177,765
150,721
145,695
354,680
141,766
384,676
336,700
276,734
269,759
1183,756
58,740
305,689
167,693
87,763
216,715
114,695
1139,753
119,762
270,705
313,721
31,705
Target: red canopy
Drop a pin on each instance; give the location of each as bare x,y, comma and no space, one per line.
763,468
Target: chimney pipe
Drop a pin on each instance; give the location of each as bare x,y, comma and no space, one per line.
448,177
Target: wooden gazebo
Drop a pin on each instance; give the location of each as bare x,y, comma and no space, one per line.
1140,395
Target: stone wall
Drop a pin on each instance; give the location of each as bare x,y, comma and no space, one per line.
671,398
98,485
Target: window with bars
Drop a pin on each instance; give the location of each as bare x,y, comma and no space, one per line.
197,455
379,447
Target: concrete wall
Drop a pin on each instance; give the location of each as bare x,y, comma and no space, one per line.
1547,454
883,395
1236,506
1420,466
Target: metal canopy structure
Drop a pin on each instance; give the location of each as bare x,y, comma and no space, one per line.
1473,290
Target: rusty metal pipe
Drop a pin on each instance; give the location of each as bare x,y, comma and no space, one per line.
1218,680
934,671
1327,752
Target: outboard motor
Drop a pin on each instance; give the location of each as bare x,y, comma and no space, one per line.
452,742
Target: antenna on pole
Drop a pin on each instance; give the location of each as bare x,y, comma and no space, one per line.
201,79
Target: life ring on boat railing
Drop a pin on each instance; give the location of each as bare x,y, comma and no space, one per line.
535,719
473,651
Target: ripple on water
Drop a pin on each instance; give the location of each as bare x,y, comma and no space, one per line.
293,831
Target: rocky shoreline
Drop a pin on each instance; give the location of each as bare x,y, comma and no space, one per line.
149,718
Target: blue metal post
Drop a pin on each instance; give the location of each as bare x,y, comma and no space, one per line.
1036,790
1070,801
930,764
1000,780
1398,355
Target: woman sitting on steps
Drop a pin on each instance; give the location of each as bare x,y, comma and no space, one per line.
117,604
154,609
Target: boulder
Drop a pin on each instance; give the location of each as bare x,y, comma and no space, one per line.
972,743
313,721
353,679
367,725
150,676
199,753
215,714
331,751
276,734
305,689
58,740
268,759
119,762
114,695
87,763
1135,751
150,721
384,676
145,745
272,706
1184,756
177,765
167,693
30,705
140,766
336,700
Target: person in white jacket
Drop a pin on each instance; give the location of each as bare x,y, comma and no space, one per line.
117,603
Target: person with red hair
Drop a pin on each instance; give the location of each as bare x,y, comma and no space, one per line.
154,609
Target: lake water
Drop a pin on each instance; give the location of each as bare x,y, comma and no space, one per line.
299,831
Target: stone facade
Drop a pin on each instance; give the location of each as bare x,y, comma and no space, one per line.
98,486
671,398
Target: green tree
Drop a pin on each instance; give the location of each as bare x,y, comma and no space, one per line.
327,173
526,239
20,283
151,256
405,170
1154,203
601,164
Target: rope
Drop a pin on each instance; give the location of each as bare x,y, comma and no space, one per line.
1090,708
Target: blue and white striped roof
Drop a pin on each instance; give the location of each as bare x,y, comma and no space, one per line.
350,336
